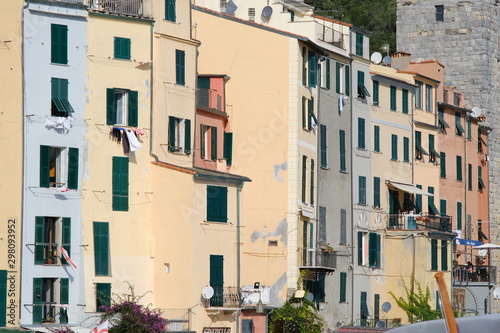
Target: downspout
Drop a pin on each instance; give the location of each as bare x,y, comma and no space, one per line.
151,113
238,247
352,191
413,170
267,320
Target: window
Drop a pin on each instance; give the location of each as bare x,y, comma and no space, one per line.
53,170
228,148
325,74
439,13
442,165
428,98
459,215
362,190
480,141
312,121
393,98
179,135
459,168
434,255
170,10
45,301
444,255
208,144
317,287
359,44
419,151
122,107
469,178
216,203
304,113
312,68
50,234
459,130
120,183
431,208
469,129
418,201
405,101
433,153
311,187
376,138
480,185
442,207
375,92
369,249
394,147
480,234
362,91
60,106
304,177
361,133
442,123
343,167
376,307
418,94
59,44
102,296
292,15
343,287
323,146
343,226
101,248
363,311
3,298
376,192
122,48
247,324
217,279
180,75
406,149
342,79
304,67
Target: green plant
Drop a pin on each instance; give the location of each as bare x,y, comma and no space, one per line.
296,316
415,302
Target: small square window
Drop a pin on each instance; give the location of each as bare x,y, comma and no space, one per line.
122,48
439,13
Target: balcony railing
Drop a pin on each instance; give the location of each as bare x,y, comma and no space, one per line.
79,2
178,320
122,7
209,99
419,222
462,275
52,313
49,253
318,258
330,35
224,297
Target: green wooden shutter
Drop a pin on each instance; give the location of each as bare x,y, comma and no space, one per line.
434,258
393,98
187,136
323,143
347,73
406,149
342,151
304,114
44,166
373,250
213,135
59,44
361,83
310,111
3,298
418,201
376,191
362,190
359,44
343,287
394,145
459,168
110,107
337,77
311,194
444,255
133,108
442,207
180,67
216,203
469,176
228,147
376,307
363,308
442,164
203,129
405,101
101,248
120,183
376,138
39,239
66,237
361,133
459,215
37,300
64,291
360,248
304,176
304,69
217,279
375,92
328,75
170,14
172,128
312,69
103,295
73,155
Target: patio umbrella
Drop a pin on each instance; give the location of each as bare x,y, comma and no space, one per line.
487,246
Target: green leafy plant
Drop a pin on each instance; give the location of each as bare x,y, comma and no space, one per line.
296,316
415,302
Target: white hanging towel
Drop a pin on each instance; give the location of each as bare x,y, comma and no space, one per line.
132,140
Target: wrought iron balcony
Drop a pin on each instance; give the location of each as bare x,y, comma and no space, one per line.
318,259
419,222
224,297
138,8
480,274
178,320
329,34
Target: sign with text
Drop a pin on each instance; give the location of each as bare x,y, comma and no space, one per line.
469,242
216,330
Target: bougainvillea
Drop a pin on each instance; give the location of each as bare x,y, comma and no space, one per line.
62,330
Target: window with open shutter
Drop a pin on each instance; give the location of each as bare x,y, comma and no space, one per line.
73,156
101,248
44,166
213,136
187,136
374,250
216,203
347,74
37,300
66,237
217,279
39,240
338,80
444,255
418,201
133,108
120,183
60,105
63,299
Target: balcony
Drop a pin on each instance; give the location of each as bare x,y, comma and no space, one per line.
137,8
224,298
329,34
77,2
49,253
51,312
209,100
480,275
317,259
178,320
419,222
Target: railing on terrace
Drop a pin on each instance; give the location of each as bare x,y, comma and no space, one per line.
51,312
462,275
372,322
209,98
419,222
330,35
80,2
224,297
124,7
178,320
318,258
49,253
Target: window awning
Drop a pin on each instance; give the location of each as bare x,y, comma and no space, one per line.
410,188
432,209
435,153
481,183
422,150
363,91
460,129
443,123
481,139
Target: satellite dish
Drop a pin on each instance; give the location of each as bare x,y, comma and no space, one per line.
310,297
386,307
482,252
476,112
387,60
380,324
496,293
267,12
207,292
231,7
376,58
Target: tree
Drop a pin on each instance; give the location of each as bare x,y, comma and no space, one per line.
296,316
416,302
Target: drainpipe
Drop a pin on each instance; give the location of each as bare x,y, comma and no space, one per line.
352,191
267,320
238,247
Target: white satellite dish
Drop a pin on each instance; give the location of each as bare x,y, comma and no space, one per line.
386,307
267,12
380,324
376,58
496,292
476,112
387,60
483,252
310,297
207,292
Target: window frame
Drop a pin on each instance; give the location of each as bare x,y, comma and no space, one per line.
393,92
122,112
217,203
439,13
180,67
60,105
179,135
122,48
170,11
59,44
120,183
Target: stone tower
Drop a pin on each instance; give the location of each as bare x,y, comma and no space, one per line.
465,37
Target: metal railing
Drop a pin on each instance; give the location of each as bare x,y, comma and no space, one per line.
123,7
50,252
372,322
330,35
320,258
80,2
419,222
51,312
463,275
178,320
209,98
224,297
